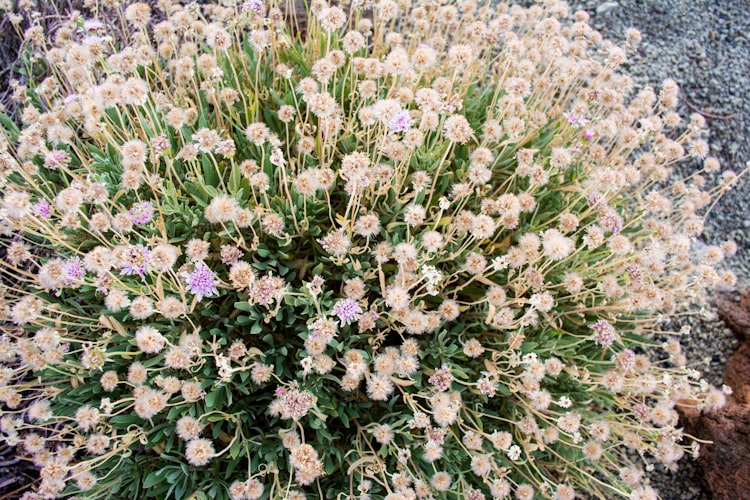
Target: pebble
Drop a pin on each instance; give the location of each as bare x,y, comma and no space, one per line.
606,7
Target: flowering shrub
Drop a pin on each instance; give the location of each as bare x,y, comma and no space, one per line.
413,251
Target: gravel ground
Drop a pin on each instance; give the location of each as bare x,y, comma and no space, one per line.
704,45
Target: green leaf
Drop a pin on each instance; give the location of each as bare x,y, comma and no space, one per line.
152,479
243,306
9,126
235,179
215,398
234,451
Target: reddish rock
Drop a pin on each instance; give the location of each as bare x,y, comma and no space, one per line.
726,461
737,374
734,310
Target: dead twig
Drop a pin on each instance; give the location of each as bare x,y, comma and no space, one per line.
707,114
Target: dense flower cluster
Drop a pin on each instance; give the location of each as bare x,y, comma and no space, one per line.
382,250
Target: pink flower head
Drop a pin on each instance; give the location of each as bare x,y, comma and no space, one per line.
56,158
92,25
575,120
442,378
254,6
294,404
604,333
401,122
572,118
160,143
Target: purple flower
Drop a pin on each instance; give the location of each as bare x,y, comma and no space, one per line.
294,404
226,148
56,158
73,270
136,262
604,333
575,120
43,209
572,118
347,310
595,199
635,274
141,213
202,281
254,6
401,122
442,378
588,134
160,143
611,221
92,25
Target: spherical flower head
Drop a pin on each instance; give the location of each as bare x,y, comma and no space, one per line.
432,451
383,434
254,489
336,243
332,18
556,245
347,310
202,281
160,144
604,333
272,224
253,6
293,403
56,158
136,262
487,387
457,129
17,204
141,213
42,209
189,428
401,122
73,271
442,378
92,25
199,451
149,340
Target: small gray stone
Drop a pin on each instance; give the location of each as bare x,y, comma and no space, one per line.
606,7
